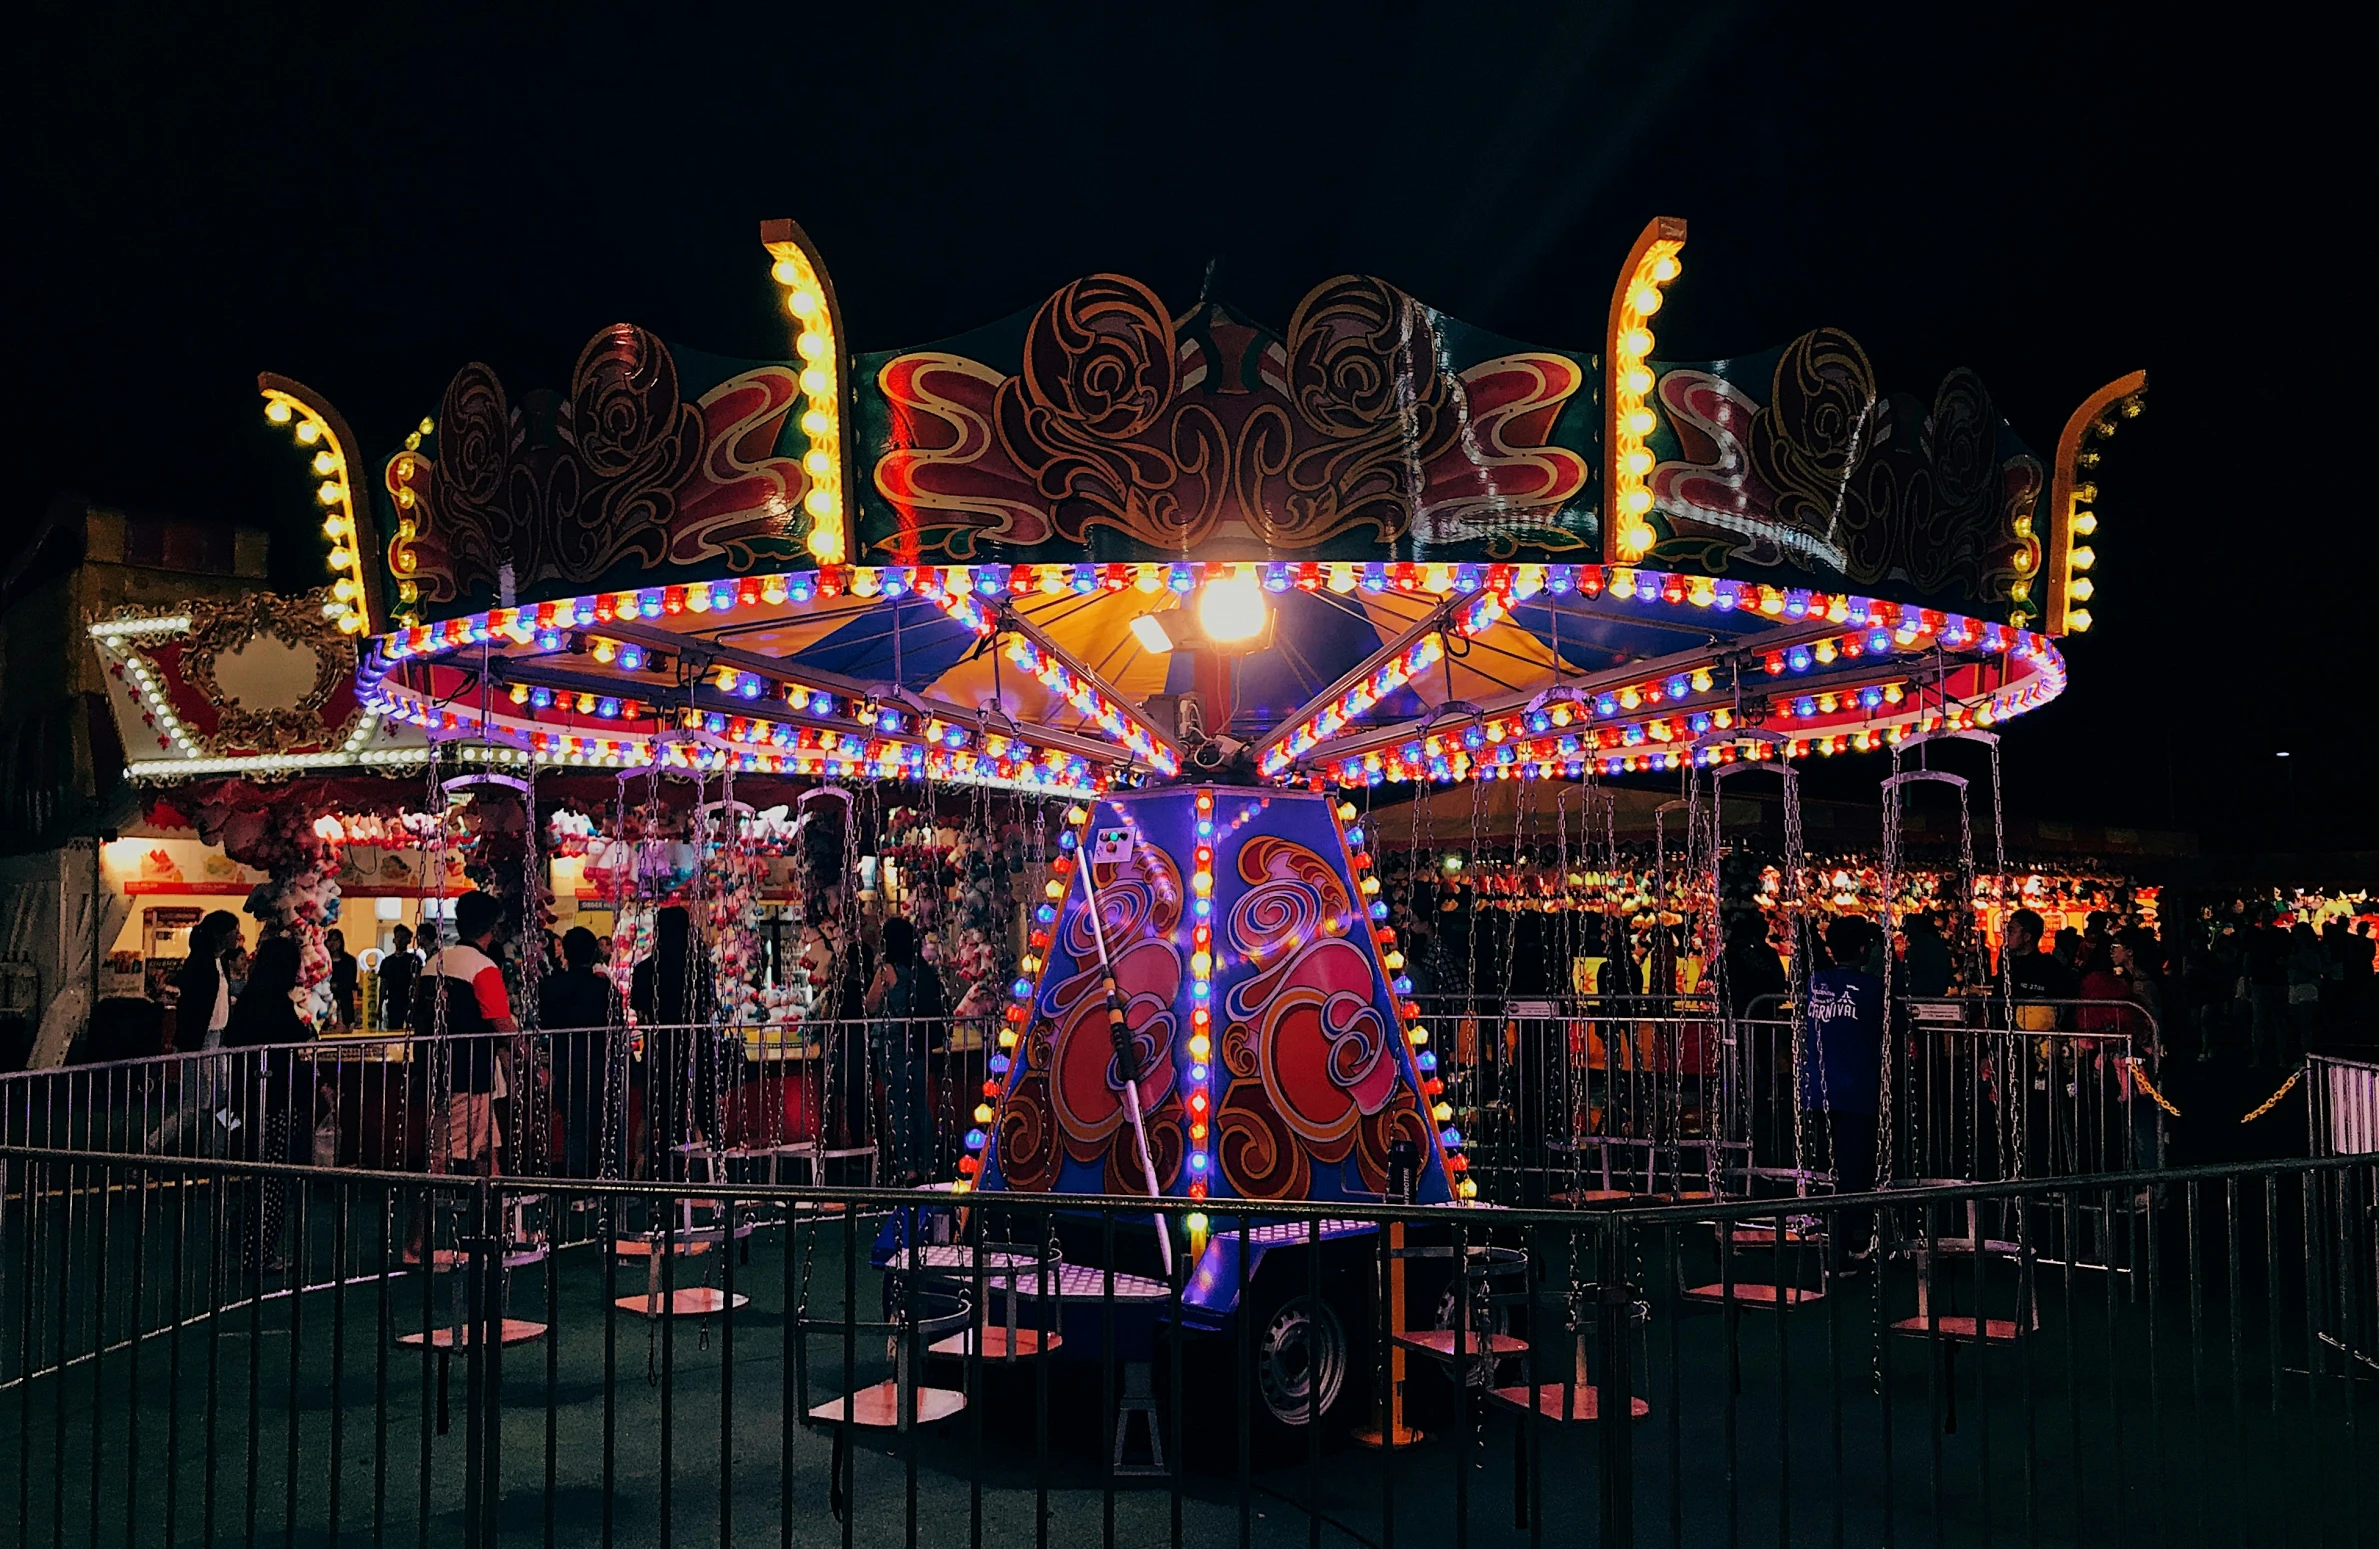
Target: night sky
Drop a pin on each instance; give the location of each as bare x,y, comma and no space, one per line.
202,194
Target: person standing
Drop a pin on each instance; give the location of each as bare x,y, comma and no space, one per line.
1842,1065
398,970
907,1021
275,1088
2267,986
1926,961
342,976
2307,966
202,1010
461,997
2036,980
578,1006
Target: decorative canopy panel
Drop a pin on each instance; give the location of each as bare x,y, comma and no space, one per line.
258,685
1103,541
1040,674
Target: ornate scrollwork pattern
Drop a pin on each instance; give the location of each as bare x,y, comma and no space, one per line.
220,628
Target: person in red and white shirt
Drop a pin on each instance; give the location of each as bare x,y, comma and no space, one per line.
461,995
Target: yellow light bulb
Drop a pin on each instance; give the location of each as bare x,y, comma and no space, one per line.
1393,961
814,383
1636,342
1637,462
811,346
1665,268
1233,607
785,272
1055,889
1645,300
2078,620
2080,589
2084,557
2085,522
277,411
802,302
309,431
343,589
2020,592
1636,501
340,559
1638,422
326,461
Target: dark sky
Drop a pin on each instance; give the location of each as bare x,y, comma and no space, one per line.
200,194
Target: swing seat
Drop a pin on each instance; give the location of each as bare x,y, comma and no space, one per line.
1000,1343
1755,1293
649,1247
1569,1402
687,1301
1438,1344
515,1331
877,1408
1960,1327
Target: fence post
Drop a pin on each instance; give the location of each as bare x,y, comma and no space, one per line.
1614,1399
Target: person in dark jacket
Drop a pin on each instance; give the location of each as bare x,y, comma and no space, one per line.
671,991
275,1092
1842,1064
395,981
908,1020
579,1007
1926,963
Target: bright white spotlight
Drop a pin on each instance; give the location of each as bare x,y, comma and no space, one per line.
1150,632
1232,609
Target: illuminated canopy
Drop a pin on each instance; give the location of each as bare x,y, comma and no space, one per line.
1377,544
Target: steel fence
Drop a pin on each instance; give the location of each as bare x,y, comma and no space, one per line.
210,1350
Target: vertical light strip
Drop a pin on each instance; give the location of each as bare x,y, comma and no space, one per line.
2071,494
1201,1036
346,522
817,340
1628,419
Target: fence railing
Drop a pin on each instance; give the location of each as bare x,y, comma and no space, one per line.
212,1350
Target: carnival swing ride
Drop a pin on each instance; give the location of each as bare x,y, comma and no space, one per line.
1179,620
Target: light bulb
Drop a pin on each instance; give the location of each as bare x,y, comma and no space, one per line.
1233,608
1645,300
277,411
2078,620
2080,589
2084,557
785,272
2085,522
1665,268
1636,342
1638,422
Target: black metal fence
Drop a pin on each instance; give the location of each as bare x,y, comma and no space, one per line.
210,1351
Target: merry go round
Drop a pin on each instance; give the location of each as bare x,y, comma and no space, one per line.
1172,622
